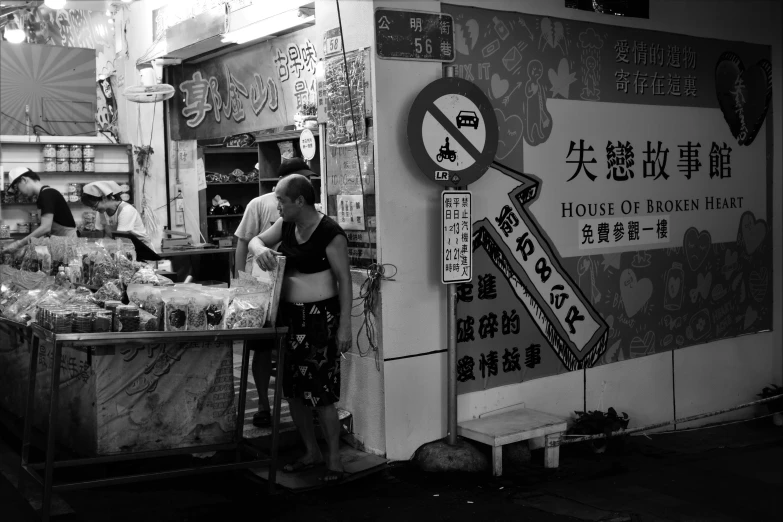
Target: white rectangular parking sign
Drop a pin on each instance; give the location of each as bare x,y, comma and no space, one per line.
456,237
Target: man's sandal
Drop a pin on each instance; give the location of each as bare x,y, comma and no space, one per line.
298,466
262,419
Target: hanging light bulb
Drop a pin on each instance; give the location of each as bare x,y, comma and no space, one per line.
54,4
13,34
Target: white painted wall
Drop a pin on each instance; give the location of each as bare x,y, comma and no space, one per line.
139,122
697,379
362,381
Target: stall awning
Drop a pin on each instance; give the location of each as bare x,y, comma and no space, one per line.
222,28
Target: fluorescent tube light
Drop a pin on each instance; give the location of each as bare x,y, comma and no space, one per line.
14,36
54,4
269,27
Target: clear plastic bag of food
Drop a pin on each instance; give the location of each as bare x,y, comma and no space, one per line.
148,298
217,301
102,266
110,290
197,311
175,312
148,322
145,276
44,258
80,296
126,269
247,310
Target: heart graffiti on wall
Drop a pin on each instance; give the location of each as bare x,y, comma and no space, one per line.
743,95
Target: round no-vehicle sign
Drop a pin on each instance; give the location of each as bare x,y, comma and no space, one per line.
452,132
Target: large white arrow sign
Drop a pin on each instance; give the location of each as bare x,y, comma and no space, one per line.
521,251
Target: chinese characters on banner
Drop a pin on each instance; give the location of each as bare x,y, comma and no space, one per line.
648,155
457,242
621,162
350,212
238,92
623,232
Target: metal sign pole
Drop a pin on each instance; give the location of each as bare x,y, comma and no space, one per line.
451,324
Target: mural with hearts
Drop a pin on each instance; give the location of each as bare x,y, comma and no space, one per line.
628,210
658,300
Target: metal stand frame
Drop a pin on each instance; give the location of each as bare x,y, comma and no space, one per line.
84,342
16,331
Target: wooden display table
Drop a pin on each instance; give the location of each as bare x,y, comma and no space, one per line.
514,426
138,392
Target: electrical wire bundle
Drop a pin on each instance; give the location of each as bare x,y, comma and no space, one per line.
368,300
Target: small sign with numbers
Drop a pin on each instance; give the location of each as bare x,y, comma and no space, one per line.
333,42
414,35
456,237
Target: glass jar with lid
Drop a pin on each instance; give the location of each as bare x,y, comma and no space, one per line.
5,232
49,151
63,153
88,152
76,152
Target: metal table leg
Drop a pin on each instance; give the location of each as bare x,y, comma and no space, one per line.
50,439
240,426
28,416
276,413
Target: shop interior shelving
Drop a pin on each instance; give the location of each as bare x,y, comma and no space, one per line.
113,161
224,160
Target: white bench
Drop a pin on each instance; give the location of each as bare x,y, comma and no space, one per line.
514,426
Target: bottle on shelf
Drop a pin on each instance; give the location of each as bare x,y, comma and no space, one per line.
61,279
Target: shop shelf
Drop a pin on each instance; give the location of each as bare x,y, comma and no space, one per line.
74,203
225,216
230,150
312,178
235,183
82,173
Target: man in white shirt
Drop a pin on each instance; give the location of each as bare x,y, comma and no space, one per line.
260,214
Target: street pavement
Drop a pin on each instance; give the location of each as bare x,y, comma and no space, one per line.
721,474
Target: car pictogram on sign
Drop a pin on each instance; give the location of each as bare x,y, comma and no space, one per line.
467,119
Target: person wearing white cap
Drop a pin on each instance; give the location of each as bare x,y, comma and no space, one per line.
56,217
116,215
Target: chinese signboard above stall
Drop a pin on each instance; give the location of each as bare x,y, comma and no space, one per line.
414,35
256,88
452,132
456,260
647,223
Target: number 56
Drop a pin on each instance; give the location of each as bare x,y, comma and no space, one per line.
427,45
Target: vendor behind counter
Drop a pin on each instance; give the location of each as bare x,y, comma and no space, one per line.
116,215
56,217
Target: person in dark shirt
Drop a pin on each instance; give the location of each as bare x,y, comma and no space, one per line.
316,302
56,217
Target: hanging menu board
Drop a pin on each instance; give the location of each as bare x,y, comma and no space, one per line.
414,35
